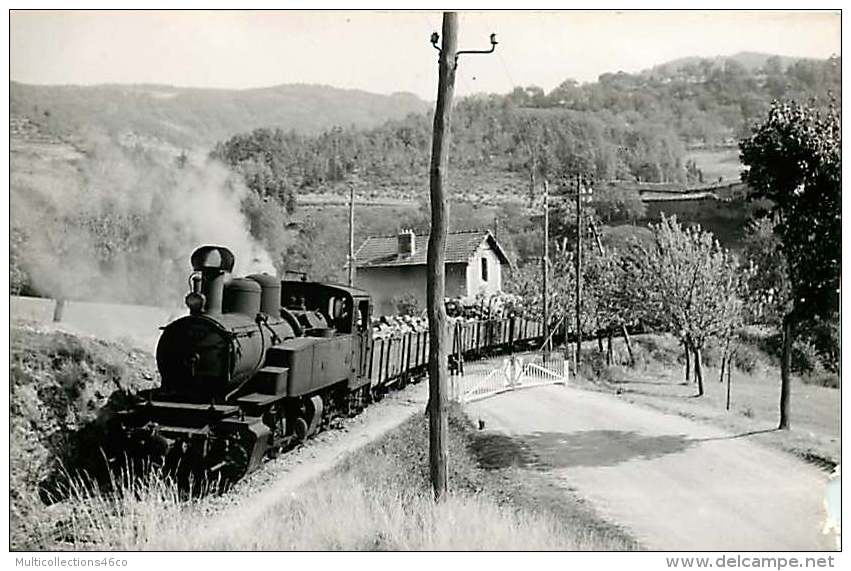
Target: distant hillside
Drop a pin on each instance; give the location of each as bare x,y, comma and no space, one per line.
189,117
707,101
751,61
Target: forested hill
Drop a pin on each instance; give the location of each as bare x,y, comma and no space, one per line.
624,126
706,100
193,118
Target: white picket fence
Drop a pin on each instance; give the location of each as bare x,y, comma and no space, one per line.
495,376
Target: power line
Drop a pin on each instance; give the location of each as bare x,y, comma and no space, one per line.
502,61
508,73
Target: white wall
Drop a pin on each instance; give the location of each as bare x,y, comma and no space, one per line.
386,283
475,284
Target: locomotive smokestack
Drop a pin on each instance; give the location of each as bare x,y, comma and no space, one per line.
213,263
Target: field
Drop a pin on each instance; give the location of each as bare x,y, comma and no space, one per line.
658,380
717,163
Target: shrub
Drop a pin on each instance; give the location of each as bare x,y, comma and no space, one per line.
822,378
746,358
407,304
664,349
593,366
712,353
805,357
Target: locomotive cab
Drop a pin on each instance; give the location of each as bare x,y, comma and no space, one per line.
318,307
340,314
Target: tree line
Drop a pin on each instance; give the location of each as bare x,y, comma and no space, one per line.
706,101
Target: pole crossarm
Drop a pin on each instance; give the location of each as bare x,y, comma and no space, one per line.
435,37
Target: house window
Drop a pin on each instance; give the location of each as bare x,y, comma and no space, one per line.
484,269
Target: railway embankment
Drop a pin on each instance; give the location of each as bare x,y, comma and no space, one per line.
62,388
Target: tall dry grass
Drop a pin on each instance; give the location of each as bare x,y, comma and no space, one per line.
379,499
340,512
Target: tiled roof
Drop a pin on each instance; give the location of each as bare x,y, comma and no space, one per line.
382,251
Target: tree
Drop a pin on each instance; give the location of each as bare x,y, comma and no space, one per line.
686,283
794,159
769,291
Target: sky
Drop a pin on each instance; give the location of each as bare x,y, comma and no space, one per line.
386,52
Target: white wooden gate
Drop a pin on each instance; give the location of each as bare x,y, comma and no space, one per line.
488,378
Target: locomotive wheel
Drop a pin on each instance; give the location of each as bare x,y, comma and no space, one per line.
357,401
300,429
235,464
377,393
315,414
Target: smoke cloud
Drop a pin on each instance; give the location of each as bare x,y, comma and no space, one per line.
121,224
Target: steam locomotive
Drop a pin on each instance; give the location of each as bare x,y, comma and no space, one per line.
259,365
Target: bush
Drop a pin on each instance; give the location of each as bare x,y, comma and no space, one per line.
746,358
593,366
407,305
664,349
822,378
816,347
805,357
712,353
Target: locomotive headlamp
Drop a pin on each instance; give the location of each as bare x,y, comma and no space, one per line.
195,302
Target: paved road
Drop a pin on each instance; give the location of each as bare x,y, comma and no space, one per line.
674,483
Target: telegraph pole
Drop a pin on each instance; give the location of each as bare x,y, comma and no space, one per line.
578,271
352,234
545,263
436,272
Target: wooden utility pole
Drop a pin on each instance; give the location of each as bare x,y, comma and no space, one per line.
438,354
578,271
436,284
545,266
352,234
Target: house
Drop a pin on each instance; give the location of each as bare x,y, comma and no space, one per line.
392,267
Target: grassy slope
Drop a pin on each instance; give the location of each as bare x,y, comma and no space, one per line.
59,386
657,380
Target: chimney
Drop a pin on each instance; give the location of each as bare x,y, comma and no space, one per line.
406,243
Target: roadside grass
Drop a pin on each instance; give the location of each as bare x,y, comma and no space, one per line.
657,380
379,499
